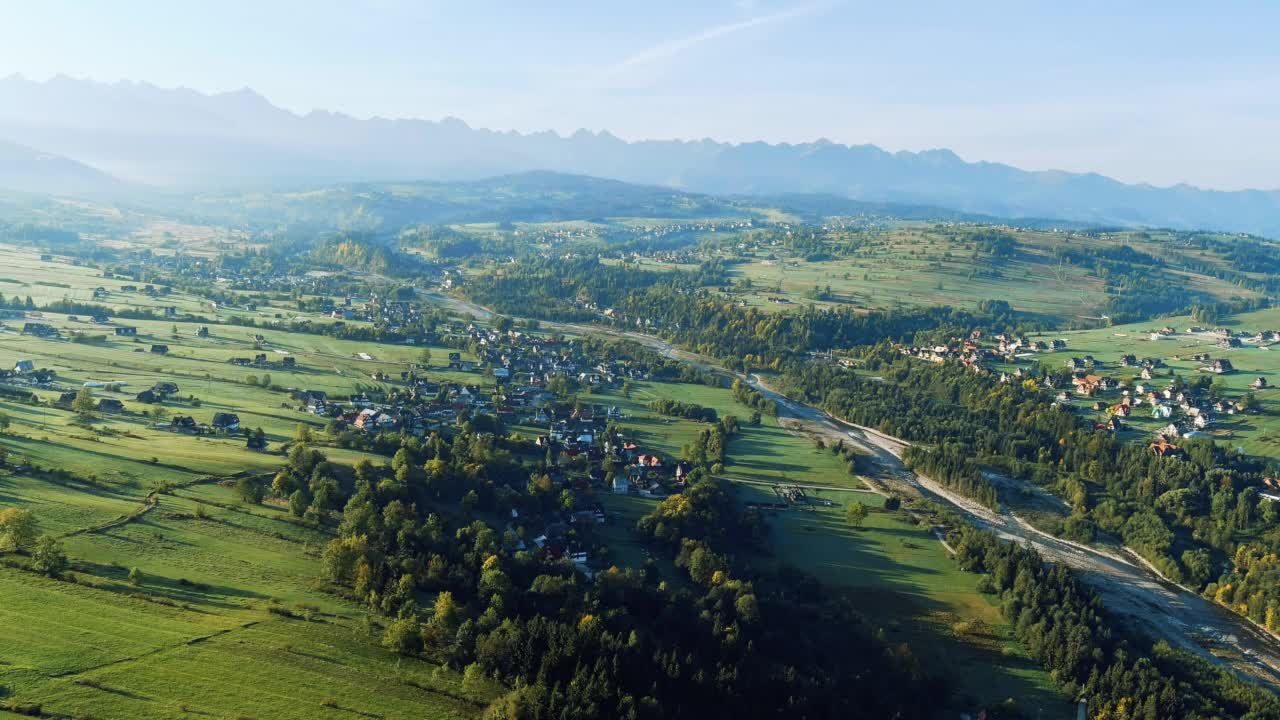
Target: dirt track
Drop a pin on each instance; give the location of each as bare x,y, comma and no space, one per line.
1128,586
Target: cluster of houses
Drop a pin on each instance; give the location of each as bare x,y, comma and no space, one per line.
519,357
222,423
1226,338
615,235
159,392
556,542
613,461
1188,411
260,360
149,290
49,332
26,374
976,353
395,314
426,406
40,330
643,474
522,368
587,454
223,281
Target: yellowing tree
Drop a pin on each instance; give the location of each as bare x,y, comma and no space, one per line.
17,529
1223,596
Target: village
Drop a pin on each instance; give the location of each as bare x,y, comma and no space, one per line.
1130,387
525,383
536,388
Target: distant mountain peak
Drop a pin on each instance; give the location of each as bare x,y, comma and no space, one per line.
244,94
455,123
185,138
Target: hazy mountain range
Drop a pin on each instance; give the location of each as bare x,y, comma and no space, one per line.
22,168
181,139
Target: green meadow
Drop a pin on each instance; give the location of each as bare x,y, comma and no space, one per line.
764,453
895,570
77,651
899,574
222,618
919,265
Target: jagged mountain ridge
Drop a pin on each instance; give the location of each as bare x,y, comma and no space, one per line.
185,139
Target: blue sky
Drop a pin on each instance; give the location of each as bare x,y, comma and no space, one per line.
1157,92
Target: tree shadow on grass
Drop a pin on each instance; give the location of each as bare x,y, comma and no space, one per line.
189,595
96,685
976,664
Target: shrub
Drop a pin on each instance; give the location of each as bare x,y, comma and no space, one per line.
250,490
404,637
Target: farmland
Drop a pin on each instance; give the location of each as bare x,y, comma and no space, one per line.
193,596
435,486
113,655
222,620
922,265
186,601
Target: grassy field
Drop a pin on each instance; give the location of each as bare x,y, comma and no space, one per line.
919,265
1255,433
764,453
894,570
80,651
122,447
200,633
203,633
901,576
25,274
276,669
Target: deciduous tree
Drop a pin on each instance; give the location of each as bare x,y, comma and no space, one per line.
17,529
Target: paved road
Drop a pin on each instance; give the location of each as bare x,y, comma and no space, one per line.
1128,586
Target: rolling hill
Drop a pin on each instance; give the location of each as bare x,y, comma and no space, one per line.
32,171
522,197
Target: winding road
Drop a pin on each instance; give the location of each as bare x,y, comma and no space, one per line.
1129,587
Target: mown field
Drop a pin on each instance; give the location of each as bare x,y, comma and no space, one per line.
221,618
123,446
25,274
226,619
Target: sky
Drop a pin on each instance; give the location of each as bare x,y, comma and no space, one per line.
1163,93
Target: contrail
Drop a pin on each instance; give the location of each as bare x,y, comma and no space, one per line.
671,48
